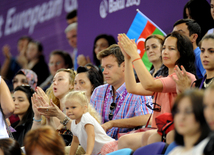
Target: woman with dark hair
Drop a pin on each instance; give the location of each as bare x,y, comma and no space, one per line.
23,77
101,42
207,58
177,51
35,61
87,80
9,146
199,10
58,59
23,108
191,129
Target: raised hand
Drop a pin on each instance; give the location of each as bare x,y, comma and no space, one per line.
42,94
6,51
128,46
183,80
49,110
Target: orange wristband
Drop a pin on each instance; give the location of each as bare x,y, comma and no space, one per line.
136,59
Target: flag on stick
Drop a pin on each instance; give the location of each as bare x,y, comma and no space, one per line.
139,30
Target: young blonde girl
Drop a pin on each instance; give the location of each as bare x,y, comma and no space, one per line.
86,127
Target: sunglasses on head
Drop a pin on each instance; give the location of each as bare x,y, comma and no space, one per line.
157,107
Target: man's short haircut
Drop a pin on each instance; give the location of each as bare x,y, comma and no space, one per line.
113,50
71,14
71,27
192,26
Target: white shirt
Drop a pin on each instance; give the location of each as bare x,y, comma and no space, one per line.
196,150
101,138
3,130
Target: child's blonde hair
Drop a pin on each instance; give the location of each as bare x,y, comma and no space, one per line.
83,100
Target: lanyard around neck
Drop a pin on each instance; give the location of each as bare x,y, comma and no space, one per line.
118,105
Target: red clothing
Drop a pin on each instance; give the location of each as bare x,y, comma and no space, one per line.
166,98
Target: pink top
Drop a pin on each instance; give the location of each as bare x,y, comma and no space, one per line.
167,96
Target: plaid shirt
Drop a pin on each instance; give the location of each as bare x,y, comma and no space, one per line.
133,105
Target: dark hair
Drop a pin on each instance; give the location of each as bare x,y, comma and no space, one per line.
66,57
38,44
110,39
28,116
206,37
199,10
10,146
113,50
25,38
192,26
196,99
71,14
93,75
89,65
185,48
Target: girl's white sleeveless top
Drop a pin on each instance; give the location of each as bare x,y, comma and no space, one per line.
3,130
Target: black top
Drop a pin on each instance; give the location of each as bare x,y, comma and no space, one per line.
41,69
21,130
198,82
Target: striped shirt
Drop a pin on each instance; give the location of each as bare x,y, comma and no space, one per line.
133,105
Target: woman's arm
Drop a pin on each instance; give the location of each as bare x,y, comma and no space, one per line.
91,138
147,81
7,104
74,145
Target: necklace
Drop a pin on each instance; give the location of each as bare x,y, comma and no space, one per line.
206,85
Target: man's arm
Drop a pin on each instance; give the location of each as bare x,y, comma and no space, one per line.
127,123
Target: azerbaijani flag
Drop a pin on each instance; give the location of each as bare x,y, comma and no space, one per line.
139,30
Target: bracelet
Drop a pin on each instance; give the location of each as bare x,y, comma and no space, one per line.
136,59
37,120
65,121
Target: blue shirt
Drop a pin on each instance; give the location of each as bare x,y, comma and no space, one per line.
133,105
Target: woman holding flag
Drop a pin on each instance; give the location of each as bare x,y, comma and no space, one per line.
177,51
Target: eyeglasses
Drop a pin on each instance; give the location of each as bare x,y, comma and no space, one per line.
112,107
158,108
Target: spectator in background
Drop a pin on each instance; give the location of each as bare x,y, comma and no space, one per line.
25,77
9,146
35,61
199,10
101,42
44,141
58,59
12,64
23,108
72,17
87,80
192,30
153,46
71,35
